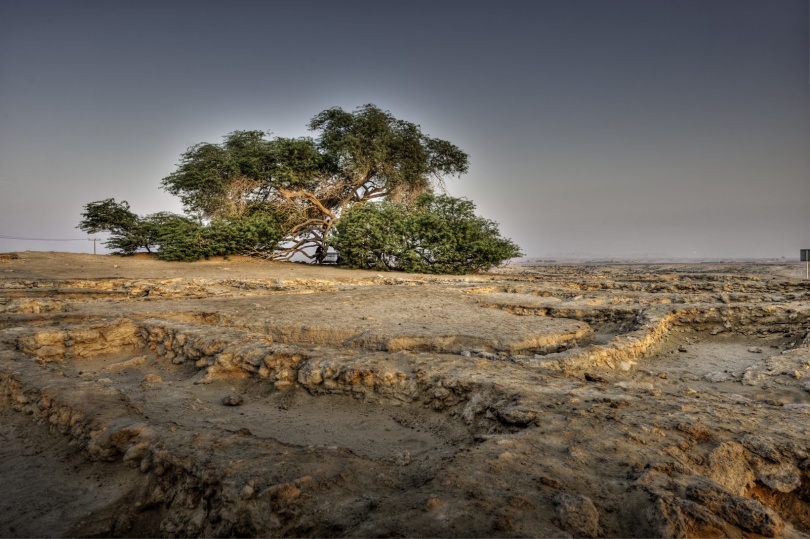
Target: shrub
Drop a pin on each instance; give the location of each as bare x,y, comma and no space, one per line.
437,234
181,239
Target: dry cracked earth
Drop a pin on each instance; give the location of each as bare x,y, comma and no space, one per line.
246,398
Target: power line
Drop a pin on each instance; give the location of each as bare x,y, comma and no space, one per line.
4,237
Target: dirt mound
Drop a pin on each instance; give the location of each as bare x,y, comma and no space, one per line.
234,397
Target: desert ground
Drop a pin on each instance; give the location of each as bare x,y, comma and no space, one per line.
240,397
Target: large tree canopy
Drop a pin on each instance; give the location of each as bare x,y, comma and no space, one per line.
308,183
241,173
376,155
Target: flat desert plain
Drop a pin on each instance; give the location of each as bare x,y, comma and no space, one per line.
246,398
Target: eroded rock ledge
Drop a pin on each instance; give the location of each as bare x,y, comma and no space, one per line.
582,401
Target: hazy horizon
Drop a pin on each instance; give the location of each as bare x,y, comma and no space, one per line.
622,127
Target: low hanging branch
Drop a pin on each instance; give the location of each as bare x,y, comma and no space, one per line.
329,202
299,247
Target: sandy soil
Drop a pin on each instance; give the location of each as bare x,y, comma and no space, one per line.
240,397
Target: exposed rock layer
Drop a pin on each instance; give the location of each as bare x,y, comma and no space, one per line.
581,400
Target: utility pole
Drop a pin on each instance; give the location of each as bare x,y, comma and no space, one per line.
94,240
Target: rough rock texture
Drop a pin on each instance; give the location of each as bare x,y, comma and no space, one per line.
248,398
729,466
745,513
577,515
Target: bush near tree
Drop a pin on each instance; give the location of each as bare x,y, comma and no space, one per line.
282,198
128,231
179,238
437,234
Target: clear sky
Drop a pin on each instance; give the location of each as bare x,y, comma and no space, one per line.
601,127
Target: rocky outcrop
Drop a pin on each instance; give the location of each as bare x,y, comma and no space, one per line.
560,400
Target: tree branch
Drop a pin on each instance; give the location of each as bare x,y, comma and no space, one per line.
304,225
309,196
287,254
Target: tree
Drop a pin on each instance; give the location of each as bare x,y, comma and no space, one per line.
128,232
309,183
436,234
364,182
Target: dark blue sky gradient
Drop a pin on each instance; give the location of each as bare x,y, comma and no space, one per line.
609,127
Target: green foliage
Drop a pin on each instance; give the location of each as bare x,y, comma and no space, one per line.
182,239
178,237
374,152
437,234
357,156
204,179
256,234
447,237
252,193
107,215
372,236
128,232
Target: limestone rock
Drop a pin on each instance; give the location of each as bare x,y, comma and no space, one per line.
475,405
283,494
403,459
121,365
595,378
247,492
784,480
577,515
745,513
718,377
752,376
504,524
550,482
762,446
631,385
233,400
675,517
151,378
435,505
136,453
789,364
729,467
515,415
